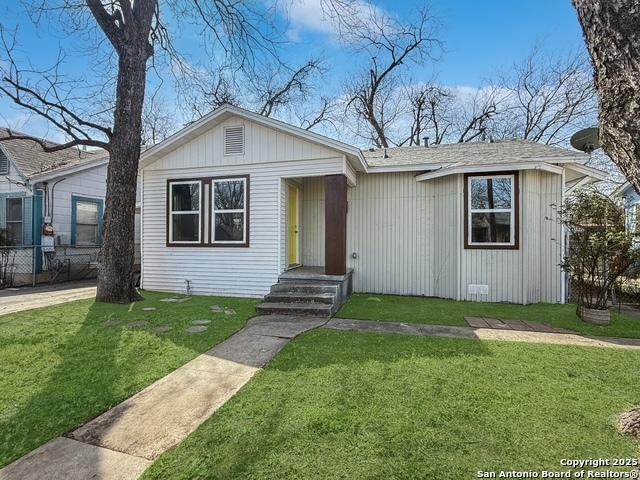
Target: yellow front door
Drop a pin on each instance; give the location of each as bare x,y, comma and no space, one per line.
292,219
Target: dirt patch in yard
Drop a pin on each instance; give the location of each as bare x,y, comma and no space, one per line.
629,423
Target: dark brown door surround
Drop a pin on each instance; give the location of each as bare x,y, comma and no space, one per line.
335,220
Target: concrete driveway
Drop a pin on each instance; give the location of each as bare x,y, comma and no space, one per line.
25,298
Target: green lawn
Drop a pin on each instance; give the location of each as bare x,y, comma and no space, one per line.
60,366
438,311
357,405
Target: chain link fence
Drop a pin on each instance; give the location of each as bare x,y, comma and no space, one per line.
35,264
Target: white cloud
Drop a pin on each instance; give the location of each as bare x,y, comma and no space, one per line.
318,16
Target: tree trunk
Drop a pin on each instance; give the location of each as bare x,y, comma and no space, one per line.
612,32
115,267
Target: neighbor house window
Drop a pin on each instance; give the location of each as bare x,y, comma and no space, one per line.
185,210
14,220
86,221
491,211
229,211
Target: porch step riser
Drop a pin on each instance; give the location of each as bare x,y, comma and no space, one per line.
297,297
311,309
290,287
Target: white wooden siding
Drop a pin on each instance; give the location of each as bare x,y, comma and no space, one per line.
262,145
13,182
409,239
388,228
312,221
218,270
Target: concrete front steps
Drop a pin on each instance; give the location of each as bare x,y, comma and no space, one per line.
307,291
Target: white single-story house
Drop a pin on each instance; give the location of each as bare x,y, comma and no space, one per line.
237,202
631,202
51,203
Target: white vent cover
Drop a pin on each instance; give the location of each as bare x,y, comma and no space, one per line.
4,162
474,289
234,140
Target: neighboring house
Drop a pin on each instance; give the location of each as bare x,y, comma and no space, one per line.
64,190
236,201
631,202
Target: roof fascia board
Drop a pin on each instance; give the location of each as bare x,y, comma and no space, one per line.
408,168
443,172
41,177
588,171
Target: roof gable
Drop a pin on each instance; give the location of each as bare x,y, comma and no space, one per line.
31,160
227,112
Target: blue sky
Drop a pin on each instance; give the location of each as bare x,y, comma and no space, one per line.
480,38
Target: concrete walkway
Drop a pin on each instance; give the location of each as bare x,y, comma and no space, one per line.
121,443
481,333
25,298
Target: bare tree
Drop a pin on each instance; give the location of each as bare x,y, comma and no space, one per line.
390,46
546,100
612,36
135,34
158,122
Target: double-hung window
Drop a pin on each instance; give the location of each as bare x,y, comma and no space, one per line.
185,212
492,206
229,211
14,220
86,226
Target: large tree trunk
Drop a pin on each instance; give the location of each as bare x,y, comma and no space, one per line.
612,32
115,268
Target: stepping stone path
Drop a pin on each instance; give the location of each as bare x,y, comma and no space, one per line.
519,325
138,325
111,323
229,311
148,309
216,309
162,329
201,322
169,300
196,329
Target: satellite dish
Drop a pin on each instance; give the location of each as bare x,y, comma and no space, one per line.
586,140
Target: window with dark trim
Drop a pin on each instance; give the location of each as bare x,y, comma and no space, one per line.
229,210
208,212
491,210
185,212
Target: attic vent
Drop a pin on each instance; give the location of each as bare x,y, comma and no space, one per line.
234,140
4,163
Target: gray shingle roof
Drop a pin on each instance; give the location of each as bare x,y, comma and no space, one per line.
31,159
507,151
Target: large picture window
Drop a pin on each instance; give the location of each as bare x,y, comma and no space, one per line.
229,211
491,211
14,220
185,210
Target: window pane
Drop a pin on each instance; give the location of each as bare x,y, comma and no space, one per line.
488,193
229,195
491,227
87,212
185,227
86,234
14,233
185,197
229,227
14,209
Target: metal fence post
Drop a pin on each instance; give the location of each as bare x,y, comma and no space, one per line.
33,266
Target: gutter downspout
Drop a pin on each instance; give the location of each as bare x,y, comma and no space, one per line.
563,274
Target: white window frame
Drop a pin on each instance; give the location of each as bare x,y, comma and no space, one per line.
185,212
21,222
512,211
214,210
